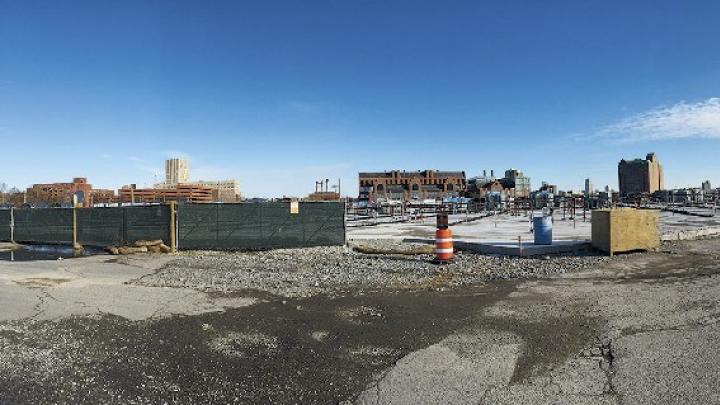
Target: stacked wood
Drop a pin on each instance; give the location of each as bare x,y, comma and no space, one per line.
148,243
141,246
129,250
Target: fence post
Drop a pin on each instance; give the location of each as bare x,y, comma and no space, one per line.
74,228
173,241
12,224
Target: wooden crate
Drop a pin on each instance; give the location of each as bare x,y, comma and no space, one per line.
625,229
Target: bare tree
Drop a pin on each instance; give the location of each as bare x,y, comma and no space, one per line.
3,192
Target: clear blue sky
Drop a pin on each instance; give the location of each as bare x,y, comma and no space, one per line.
281,93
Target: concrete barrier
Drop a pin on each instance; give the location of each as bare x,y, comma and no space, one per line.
692,234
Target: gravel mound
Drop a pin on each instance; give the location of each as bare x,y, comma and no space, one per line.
311,271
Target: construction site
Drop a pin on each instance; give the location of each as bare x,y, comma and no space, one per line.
331,304
427,288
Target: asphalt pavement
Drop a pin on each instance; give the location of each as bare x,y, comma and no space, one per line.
639,330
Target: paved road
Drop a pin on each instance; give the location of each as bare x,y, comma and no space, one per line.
642,330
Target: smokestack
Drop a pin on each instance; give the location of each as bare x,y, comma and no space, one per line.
484,173
492,173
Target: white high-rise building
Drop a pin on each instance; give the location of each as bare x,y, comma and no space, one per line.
176,171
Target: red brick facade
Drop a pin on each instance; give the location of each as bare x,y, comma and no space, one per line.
61,193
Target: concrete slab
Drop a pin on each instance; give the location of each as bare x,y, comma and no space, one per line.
495,228
507,228
457,370
525,248
54,289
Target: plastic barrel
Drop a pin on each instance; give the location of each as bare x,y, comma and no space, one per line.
542,226
443,245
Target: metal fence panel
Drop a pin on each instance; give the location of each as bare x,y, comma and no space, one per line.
43,225
147,223
260,225
201,226
4,225
323,223
101,226
197,226
240,226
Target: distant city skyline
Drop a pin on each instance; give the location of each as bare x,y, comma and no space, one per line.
281,94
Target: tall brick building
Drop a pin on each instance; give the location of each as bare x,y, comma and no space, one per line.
639,176
418,185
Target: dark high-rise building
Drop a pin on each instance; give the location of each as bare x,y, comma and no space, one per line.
639,176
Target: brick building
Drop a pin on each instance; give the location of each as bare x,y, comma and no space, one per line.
223,190
177,173
181,193
641,176
103,196
480,191
419,185
520,183
61,193
323,196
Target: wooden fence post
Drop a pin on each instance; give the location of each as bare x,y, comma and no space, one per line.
74,228
173,241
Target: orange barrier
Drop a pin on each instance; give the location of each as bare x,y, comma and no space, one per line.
443,245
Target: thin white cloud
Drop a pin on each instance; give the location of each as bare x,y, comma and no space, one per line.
135,159
682,120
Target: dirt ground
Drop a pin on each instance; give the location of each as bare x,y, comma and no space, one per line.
640,330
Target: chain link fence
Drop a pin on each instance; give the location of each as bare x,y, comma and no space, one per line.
199,226
260,226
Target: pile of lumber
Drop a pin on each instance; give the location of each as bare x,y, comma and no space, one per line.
8,246
141,246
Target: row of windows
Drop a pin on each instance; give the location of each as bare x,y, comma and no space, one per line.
414,187
407,182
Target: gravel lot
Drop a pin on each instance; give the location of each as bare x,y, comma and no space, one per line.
327,270
634,329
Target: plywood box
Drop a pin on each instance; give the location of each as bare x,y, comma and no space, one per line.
625,229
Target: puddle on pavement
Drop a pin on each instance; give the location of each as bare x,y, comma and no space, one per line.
46,252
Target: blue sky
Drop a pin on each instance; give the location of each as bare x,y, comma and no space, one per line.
280,93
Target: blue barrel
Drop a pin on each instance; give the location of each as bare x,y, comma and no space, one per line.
542,227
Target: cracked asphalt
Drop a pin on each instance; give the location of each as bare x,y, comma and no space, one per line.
639,330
